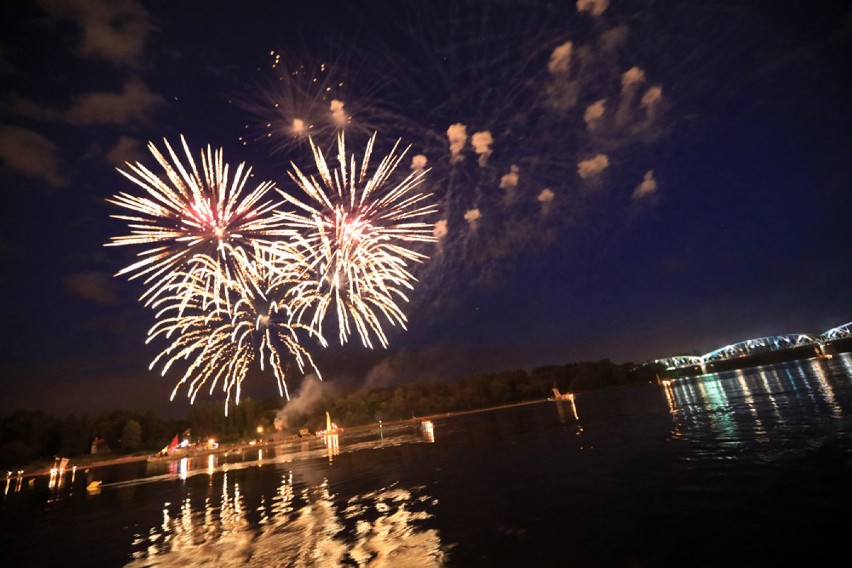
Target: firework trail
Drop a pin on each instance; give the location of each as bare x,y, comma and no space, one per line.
188,212
317,98
532,118
360,231
222,330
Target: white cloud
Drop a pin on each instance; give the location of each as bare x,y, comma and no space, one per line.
652,97
546,195
338,114
647,187
457,136
115,30
631,77
614,38
481,142
546,199
594,7
126,150
440,230
31,154
560,59
592,166
630,81
418,162
472,215
92,285
594,112
132,105
510,180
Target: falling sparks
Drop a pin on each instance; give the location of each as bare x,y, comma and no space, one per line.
222,331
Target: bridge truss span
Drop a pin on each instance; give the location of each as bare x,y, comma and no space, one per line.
757,346
760,345
838,332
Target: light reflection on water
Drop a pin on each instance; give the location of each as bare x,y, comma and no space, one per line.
516,486
726,414
299,520
301,523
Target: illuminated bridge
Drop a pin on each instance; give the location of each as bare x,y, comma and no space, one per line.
763,350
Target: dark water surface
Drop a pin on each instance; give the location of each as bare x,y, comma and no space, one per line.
744,468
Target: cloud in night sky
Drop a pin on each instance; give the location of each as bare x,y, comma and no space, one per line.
614,38
418,162
125,150
31,154
560,59
440,230
545,197
593,113
631,77
95,286
457,137
594,7
115,30
630,81
647,187
133,104
481,142
472,216
592,166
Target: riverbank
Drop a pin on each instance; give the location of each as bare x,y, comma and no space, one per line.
37,469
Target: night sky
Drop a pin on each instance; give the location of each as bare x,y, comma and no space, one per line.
663,177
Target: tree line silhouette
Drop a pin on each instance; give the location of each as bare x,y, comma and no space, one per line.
27,436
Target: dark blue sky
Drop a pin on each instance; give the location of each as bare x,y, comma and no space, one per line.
736,115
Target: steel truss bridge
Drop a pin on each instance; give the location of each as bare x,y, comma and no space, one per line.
759,345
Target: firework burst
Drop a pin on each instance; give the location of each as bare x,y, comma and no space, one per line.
188,213
222,330
317,98
360,232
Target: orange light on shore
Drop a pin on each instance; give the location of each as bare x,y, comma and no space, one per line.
428,430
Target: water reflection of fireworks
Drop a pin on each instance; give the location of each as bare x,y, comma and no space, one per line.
297,525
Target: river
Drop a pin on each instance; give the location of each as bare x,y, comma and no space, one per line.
742,468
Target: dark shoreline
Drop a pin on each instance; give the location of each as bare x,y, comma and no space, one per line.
225,448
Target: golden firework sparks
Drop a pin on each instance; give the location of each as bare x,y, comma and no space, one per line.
360,231
221,330
189,212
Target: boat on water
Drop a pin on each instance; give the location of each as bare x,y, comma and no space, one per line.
330,427
561,395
